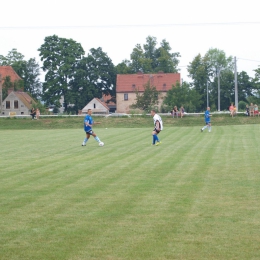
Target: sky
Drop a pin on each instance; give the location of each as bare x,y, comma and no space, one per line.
191,27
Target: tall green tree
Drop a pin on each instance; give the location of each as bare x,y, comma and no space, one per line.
182,95
246,86
101,71
147,100
166,61
205,71
199,71
14,59
150,51
150,59
94,76
123,67
32,82
60,57
139,61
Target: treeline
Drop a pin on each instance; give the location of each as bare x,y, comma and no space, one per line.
79,77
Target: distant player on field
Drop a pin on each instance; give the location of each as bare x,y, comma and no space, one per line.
207,116
88,123
158,127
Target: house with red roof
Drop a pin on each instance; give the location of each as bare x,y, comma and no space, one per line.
128,84
17,102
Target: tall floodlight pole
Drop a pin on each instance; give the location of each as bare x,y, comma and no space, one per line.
218,89
207,94
236,90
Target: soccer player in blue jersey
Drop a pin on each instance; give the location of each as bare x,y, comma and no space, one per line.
88,123
207,116
158,126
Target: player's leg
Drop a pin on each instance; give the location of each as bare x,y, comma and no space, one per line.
209,127
204,127
157,139
154,137
96,137
86,139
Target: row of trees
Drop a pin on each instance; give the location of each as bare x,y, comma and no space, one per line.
78,77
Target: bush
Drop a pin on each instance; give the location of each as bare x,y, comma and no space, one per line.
242,105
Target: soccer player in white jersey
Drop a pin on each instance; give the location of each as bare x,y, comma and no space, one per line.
88,123
158,127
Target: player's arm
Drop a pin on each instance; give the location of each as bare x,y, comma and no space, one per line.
87,123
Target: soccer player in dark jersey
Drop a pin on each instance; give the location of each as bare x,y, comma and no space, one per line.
207,116
88,123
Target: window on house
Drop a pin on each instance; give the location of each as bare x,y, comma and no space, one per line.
7,105
125,96
16,104
133,86
94,105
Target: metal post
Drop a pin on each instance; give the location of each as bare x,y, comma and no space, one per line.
219,90
236,89
207,94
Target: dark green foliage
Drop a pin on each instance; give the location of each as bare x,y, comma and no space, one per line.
182,95
60,57
150,58
148,99
94,75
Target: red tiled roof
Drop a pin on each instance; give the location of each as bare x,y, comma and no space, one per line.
25,98
133,82
9,71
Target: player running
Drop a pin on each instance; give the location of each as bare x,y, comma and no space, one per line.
88,123
207,116
158,127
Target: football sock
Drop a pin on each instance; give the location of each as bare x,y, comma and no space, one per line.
157,139
154,138
97,139
204,127
85,140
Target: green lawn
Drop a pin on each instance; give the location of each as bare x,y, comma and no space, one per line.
194,197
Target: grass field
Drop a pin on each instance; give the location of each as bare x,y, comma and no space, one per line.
194,197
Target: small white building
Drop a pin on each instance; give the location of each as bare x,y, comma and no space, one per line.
97,106
17,103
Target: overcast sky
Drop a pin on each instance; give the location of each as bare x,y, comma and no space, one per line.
191,27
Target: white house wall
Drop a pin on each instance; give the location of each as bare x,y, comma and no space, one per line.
96,107
21,110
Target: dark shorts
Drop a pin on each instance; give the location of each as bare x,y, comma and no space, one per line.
90,132
207,122
157,131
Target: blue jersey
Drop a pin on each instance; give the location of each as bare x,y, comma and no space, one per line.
207,116
90,121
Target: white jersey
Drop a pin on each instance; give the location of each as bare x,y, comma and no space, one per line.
158,118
